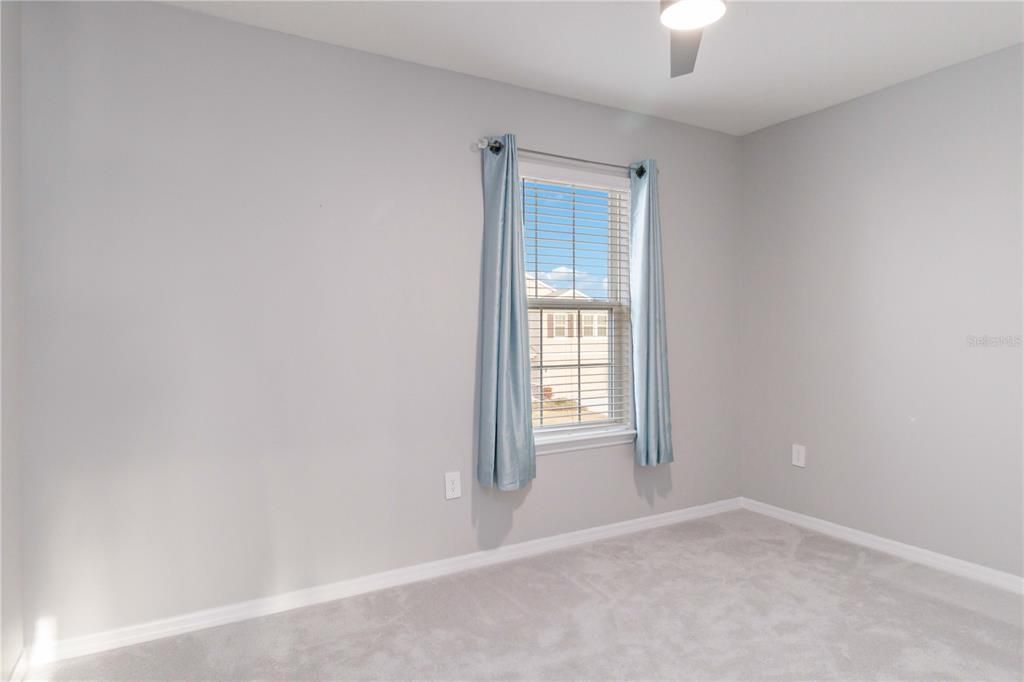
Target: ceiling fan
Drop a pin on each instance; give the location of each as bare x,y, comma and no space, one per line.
687,18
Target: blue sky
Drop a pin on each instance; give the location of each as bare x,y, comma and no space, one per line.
550,229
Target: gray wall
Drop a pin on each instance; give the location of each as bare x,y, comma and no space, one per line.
249,325
877,236
11,625
251,316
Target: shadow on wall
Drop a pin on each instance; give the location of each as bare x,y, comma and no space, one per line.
653,482
493,512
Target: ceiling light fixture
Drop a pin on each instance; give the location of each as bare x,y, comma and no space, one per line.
687,15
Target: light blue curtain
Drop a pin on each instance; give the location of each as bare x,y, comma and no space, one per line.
505,457
647,309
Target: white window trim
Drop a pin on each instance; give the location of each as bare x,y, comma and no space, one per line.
552,440
575,438
574,175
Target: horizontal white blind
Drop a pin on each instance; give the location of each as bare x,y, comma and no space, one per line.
577,282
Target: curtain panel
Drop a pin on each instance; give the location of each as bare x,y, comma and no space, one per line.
647,307
506,458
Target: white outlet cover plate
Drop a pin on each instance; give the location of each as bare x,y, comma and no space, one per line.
452,485
799,455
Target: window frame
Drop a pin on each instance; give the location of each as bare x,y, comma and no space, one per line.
576,437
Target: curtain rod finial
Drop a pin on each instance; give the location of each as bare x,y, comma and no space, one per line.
495,146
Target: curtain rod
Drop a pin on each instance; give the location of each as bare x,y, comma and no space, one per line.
496,147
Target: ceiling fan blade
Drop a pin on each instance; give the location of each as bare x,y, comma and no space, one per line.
683,51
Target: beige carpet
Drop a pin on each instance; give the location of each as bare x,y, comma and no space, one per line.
736,596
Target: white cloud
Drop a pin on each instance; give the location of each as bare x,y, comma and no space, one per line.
559,274
561,277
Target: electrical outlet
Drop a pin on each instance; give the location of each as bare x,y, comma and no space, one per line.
799,455
452,485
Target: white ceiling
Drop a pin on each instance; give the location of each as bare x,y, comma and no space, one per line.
763,63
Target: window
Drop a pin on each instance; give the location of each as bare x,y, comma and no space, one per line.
576,231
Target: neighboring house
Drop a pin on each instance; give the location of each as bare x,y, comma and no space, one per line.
570,356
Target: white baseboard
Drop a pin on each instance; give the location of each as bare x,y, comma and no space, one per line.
919,555
198,620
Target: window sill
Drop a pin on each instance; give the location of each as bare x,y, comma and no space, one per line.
553,442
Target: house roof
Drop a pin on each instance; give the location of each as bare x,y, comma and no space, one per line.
545,290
